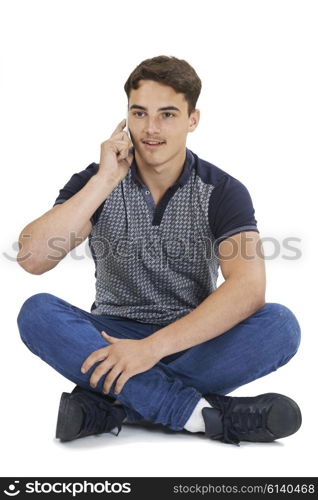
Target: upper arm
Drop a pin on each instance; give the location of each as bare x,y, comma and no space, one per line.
241,256
234,227
231,209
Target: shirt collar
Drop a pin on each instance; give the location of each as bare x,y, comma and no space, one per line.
183,178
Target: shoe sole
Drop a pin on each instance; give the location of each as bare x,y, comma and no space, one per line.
67,428
296,418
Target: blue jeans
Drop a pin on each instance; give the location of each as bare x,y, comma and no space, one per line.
64,335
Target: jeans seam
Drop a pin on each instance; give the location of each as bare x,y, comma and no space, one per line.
188,410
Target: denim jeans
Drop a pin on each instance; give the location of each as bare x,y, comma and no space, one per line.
64,335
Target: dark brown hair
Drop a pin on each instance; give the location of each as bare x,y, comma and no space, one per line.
168,70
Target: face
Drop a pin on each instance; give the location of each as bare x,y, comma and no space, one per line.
159,115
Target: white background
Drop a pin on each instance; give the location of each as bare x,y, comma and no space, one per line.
63,67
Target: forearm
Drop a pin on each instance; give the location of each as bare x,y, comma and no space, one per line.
235,300
46,240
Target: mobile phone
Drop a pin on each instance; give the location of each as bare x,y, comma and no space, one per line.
131,149
127,129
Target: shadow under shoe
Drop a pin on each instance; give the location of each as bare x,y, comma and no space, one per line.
262,418
84,413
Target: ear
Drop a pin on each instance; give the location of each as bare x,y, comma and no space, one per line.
194,119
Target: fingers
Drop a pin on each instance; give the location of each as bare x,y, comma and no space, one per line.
99,371
106,336
109,338
123,150
120,144
120,127
126,155
93,358
121,382
129,159
123,143
112,376
122,136
110,379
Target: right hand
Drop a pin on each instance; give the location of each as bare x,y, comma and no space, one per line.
115,158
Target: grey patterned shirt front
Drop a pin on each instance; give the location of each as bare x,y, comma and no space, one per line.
156,263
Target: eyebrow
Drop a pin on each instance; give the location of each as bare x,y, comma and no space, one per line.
165,108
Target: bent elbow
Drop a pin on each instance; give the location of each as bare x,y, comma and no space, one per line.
28,265
257,294
258,299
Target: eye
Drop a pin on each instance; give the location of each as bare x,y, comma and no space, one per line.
168,113
138,113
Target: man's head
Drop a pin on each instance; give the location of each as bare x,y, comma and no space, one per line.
162,94
176,73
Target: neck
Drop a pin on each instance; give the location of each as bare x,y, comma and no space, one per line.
160,176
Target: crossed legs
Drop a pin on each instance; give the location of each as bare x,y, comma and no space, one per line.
64,335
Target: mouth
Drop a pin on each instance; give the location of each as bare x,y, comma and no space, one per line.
153,144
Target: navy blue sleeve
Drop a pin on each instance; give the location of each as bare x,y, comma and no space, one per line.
75,184
231,209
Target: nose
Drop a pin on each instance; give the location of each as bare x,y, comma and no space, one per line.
151,126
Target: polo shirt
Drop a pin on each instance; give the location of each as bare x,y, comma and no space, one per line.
156,263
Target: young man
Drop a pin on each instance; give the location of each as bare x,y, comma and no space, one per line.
161,343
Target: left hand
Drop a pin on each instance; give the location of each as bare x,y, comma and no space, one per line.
123,358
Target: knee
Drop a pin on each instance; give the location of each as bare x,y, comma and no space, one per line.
33,305
28,317
286,328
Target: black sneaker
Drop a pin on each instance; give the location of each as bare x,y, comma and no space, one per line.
261,418
84,413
